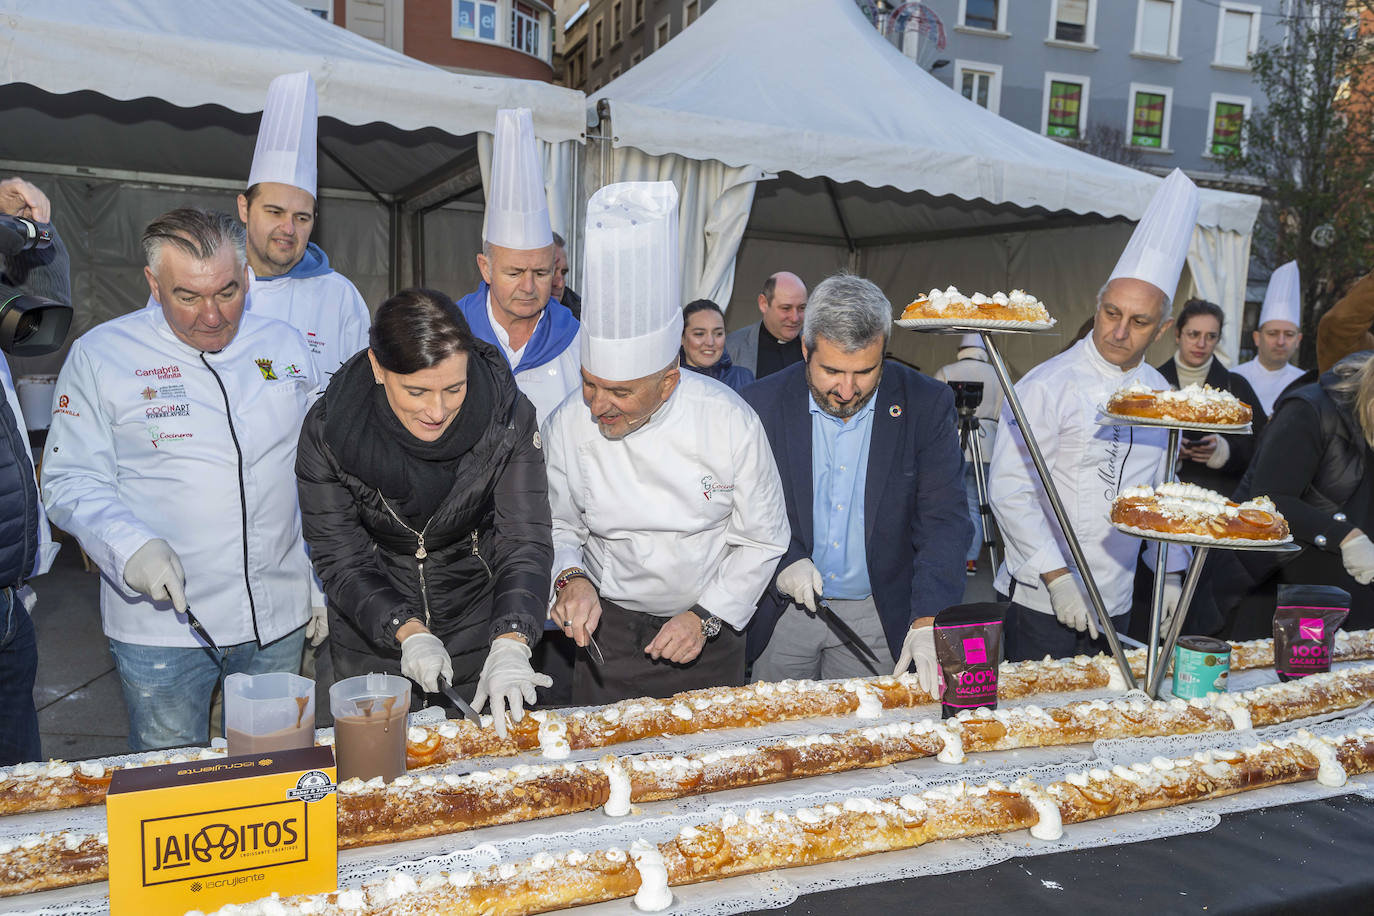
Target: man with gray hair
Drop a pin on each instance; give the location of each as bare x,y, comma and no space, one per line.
873,478
1090,463
172,460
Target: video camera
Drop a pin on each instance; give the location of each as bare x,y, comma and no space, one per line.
967,395
29,325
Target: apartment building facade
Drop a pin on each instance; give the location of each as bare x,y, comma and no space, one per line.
1158,83
487,37
601,39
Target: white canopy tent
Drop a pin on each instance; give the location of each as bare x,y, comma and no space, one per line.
121,109
802,140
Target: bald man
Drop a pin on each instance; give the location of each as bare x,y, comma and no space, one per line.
773,343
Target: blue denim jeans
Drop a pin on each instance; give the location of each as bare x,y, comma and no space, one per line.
168,689
18,667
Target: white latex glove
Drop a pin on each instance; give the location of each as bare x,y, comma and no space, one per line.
155,570
1071,605
424,659
317,628
1173,590
1358,556
801,582
918,648
506,679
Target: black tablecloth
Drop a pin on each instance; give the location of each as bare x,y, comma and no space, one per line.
1290,859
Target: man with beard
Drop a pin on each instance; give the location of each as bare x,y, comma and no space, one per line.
873,477
668,514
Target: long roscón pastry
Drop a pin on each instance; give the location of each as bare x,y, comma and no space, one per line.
33,787
757,840
412,807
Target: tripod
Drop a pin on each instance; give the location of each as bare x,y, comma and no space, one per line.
969,440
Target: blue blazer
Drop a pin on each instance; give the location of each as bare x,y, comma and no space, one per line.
916,523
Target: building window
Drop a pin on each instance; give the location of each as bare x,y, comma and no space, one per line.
474,20
1237,34
1156,27
617,29
981,14
322,8
1066,106
662,32
1150,110
691,9
637,9
1227,122
636,57
598,39
524,28
980,83
1071,21
615,73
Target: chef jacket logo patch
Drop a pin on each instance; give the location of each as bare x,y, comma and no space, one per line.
709,486
313,341
265,367
159,437
167,410
159,372
148,393
62,407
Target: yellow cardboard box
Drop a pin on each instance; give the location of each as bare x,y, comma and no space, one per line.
198,835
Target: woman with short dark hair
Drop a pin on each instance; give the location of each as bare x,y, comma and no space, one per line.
425,504
703,345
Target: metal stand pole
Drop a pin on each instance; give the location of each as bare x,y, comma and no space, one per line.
1153,656
1094,596
1189,586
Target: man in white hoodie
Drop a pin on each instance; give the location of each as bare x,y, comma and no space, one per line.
1090,464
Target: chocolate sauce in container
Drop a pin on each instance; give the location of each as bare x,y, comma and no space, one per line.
370,726
268,712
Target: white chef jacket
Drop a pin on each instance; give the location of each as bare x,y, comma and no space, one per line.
548,385
328,310
1268,384
688,509
1090,465
142,446
47,550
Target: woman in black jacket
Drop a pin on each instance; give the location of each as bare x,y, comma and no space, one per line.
1314,461
425,504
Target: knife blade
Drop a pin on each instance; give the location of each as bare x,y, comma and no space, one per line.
463,706
594,650
847,634
199,628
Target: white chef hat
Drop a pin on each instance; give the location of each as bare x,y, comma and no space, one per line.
1159,245
1283,298
517,209
285,152
631,308
971,340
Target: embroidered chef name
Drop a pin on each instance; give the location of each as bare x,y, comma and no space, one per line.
709,486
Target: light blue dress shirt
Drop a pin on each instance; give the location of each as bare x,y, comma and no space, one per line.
839,473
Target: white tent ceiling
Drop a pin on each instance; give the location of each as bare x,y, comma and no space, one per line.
837,149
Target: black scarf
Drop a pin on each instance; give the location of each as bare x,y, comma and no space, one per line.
370,442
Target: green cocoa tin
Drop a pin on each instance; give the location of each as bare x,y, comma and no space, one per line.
1201,666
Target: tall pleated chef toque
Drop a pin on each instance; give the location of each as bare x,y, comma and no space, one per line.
285,152
517,208
1283,298
971,340
1159,245
631,303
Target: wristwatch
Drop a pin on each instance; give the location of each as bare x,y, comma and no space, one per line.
710,623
